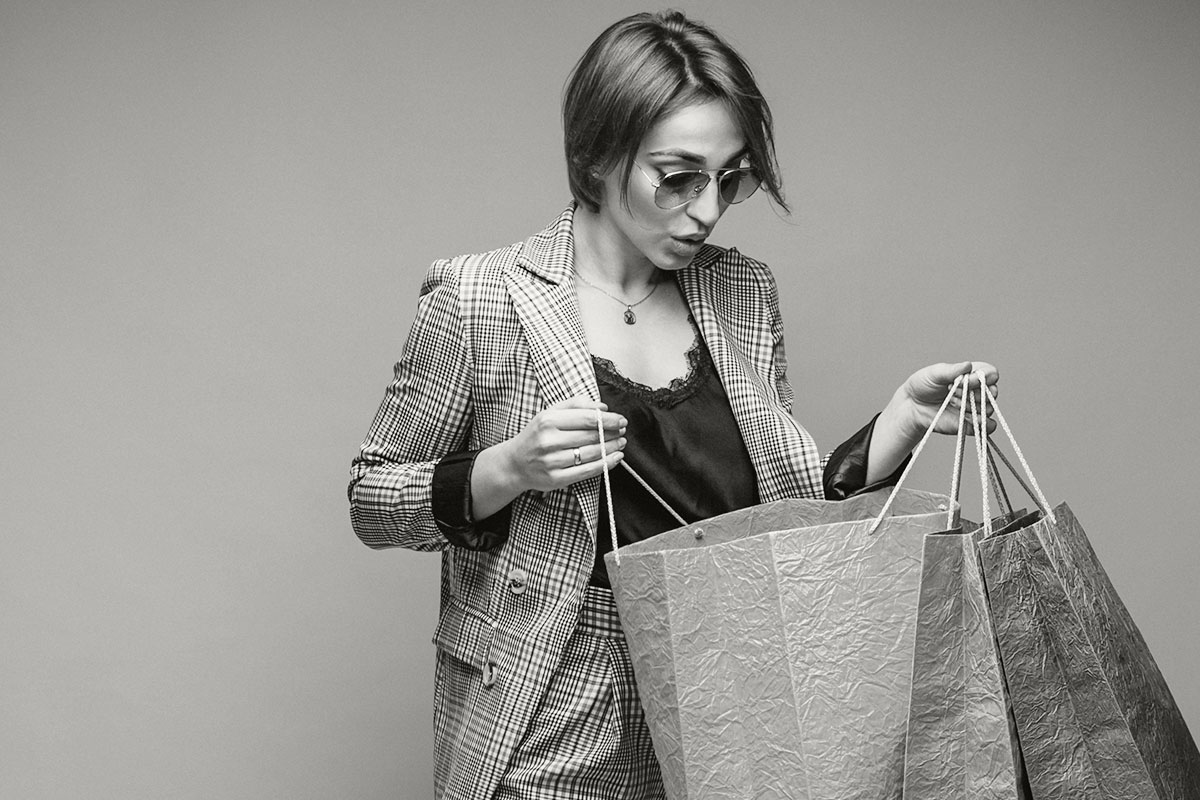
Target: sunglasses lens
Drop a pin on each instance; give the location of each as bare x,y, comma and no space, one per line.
678,188
738,185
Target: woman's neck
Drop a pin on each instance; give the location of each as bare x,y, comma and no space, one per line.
603,255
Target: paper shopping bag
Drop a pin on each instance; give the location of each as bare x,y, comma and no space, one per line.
1095,716
961,742
772,646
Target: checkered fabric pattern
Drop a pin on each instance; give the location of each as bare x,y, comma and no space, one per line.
588,739
496,339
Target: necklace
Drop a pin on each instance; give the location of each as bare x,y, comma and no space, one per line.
630,317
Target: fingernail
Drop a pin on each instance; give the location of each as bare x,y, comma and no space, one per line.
621,442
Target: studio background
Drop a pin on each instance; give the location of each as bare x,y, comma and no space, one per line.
214,219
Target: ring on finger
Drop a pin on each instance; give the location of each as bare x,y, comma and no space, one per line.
578,456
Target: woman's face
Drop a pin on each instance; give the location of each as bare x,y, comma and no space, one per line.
702,136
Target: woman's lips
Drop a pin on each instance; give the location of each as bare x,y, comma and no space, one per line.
685,247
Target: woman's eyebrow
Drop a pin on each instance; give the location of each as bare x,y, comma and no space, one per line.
693,158
681,155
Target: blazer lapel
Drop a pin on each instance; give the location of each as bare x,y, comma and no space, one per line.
748,380
543,295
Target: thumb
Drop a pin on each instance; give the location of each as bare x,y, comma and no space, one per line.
942,375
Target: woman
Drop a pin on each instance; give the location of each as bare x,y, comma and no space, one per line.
486,444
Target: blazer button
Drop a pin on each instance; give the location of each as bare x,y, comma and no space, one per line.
489,674
518,581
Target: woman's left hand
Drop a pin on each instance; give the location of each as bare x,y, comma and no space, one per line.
919,398
905,419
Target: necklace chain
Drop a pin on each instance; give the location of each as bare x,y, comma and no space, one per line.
630,317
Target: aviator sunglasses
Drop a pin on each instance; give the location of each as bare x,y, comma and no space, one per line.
675,189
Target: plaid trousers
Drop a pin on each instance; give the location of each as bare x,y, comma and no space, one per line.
588,739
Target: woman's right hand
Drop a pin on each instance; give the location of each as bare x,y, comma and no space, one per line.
558,447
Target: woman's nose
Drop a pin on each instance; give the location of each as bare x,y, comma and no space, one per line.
708,206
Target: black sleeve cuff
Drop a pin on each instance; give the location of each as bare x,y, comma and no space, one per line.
845,473
452,506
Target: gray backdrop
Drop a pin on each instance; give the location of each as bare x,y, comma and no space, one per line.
214,219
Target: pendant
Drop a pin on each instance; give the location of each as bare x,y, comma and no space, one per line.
630,317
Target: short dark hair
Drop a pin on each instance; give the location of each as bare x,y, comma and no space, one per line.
640,69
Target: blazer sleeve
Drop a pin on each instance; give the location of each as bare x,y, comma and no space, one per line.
425,415
845,469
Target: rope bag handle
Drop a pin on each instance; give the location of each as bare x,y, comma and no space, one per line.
988,473
994,479
751,374
983,456
1032,488
954,480
612,519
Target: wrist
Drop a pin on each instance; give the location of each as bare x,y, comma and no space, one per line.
901,421
495,480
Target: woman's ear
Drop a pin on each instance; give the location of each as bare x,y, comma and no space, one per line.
597,177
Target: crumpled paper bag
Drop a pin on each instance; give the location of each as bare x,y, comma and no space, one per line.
772,646
1094,714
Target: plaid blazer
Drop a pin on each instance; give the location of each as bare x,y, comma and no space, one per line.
496,339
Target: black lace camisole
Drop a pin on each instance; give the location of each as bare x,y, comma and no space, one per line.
682,440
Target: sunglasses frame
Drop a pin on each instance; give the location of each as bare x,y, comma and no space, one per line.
709,173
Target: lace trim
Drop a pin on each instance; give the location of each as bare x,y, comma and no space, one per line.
700,367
